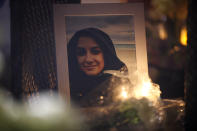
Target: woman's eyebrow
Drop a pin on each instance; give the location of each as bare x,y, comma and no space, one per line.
94,47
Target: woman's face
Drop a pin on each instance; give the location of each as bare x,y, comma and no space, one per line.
89,56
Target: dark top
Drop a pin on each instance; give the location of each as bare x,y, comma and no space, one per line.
99,91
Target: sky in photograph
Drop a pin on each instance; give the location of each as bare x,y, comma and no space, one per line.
119,27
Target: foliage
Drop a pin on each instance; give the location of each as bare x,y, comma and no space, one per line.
132,114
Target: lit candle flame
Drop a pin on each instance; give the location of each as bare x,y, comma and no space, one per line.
183,36
147,89
124,93
142,88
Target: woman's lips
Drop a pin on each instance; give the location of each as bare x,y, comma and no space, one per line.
89,67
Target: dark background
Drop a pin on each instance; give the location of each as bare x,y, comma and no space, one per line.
31,57
166,57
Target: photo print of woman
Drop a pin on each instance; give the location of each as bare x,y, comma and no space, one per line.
91,52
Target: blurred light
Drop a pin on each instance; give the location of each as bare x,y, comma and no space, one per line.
176,48
48,106
145,88
142,87
124,93
101,97
162,32
43,113
183,36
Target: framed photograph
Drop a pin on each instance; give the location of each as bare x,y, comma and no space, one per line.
113,25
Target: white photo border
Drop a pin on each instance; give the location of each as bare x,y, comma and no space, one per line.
62,10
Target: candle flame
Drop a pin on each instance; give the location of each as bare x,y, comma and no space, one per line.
183,36
146,88
124,93
143,87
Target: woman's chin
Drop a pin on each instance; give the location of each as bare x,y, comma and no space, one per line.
91,73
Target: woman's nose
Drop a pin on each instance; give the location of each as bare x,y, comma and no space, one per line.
89,57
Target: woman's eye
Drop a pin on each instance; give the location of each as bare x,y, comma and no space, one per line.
95,51
81,52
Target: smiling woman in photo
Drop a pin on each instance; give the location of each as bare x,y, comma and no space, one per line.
90,53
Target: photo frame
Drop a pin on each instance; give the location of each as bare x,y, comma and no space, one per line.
108,15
